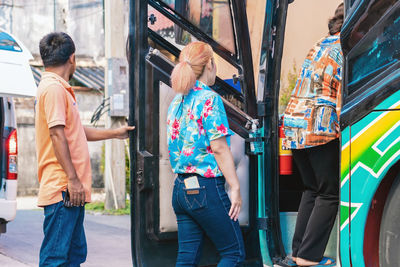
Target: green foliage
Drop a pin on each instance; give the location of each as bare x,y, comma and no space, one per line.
285,93
98,207
95,206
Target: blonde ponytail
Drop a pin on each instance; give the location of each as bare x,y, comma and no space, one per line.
183,78
192,61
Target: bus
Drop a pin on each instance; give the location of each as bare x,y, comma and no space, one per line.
248,80
370,119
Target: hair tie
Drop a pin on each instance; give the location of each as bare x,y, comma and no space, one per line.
187,61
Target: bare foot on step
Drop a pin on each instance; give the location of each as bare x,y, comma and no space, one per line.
303,262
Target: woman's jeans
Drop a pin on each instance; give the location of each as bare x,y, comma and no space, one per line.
204,211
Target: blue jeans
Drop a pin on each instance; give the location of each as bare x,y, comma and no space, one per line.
64,242
205,211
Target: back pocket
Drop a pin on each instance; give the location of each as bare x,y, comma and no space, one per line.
196,198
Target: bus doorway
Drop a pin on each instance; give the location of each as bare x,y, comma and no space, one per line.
158,30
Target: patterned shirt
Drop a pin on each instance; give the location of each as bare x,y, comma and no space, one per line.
193,121
311,117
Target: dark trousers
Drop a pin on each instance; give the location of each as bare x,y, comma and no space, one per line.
204,211
319,170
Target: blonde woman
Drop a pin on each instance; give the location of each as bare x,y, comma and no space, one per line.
198,142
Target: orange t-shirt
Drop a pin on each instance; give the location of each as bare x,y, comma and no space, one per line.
56,105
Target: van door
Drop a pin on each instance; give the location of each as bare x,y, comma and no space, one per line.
158,30
15,73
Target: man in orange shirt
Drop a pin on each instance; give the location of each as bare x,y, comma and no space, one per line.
63,155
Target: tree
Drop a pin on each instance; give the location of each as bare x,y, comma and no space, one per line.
285,93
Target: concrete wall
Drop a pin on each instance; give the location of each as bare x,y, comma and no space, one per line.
27,161
30,20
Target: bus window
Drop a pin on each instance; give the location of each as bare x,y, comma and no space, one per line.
363,25
178,37
379,52
351,6
167,29
169,55
211,17
226,72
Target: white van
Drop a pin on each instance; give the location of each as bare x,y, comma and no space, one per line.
16,80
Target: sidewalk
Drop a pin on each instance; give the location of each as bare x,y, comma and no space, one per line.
8,262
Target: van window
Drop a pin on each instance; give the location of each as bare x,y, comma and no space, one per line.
8,43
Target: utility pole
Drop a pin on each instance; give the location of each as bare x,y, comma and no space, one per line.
116,88
60,15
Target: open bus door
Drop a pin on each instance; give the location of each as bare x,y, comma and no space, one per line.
158,30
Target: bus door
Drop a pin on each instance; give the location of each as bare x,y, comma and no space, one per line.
370,143
159,29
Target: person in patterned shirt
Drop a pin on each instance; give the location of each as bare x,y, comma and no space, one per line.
198,143
311,124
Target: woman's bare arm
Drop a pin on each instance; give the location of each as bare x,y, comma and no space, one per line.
224,158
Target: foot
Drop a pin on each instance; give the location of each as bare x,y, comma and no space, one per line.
294,259
288,261
304,262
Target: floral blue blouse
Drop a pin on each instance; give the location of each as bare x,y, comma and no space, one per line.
193,121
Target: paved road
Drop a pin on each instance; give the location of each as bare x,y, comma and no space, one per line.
108,239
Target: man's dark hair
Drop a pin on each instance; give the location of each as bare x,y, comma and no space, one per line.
56,48
335,23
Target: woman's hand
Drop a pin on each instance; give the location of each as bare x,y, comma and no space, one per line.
236,201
